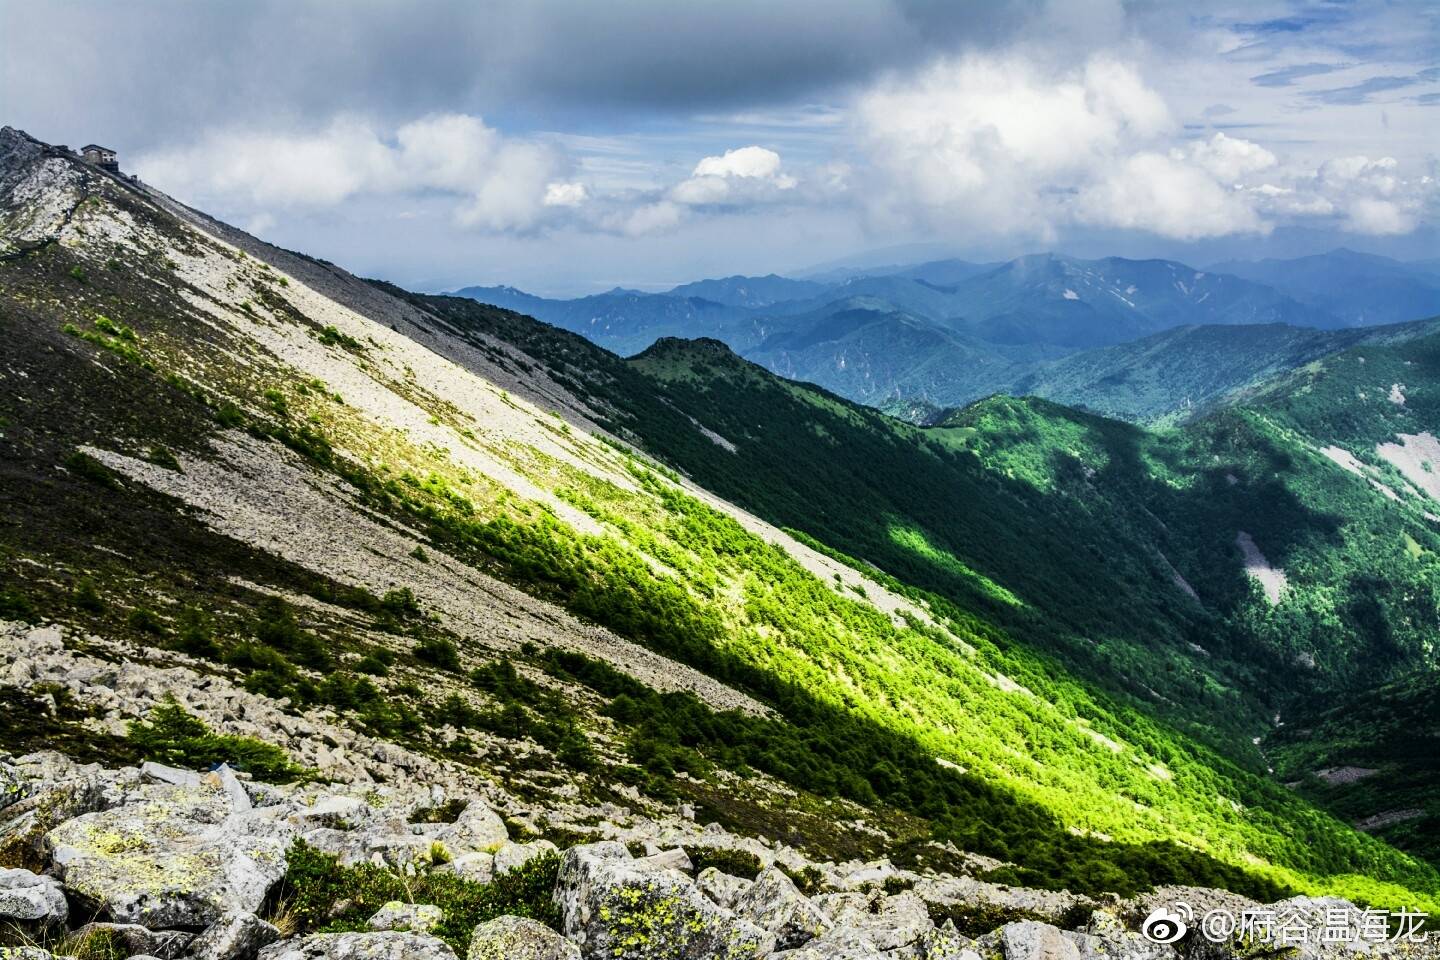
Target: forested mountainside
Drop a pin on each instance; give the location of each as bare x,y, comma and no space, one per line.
897,362
1028,634
1212,574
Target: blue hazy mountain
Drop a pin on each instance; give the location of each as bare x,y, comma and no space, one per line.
1148,340
741,291
1362,289
625,321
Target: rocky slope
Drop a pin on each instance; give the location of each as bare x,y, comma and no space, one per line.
390,853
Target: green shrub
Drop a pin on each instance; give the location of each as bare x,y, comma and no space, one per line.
372,665
809,880
447,812
146,621
331,336
401,603
229,415
439,652
195,635
162,457
737,863
86,597
118,330
323,896
277,628
171,735
87,467
16,606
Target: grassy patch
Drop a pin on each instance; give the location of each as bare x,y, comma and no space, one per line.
171,735
321,896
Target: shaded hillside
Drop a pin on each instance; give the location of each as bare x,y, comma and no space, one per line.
1177,375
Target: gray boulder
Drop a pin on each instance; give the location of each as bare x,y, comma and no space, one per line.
414,917
330,812
238,936
516,938
360,946
475,867
152,772
28,898
721,887
46,805
513,856
13,786
966,898
613,907
774,903
477,830
868,925
169,861
377,845
673,859
1033,940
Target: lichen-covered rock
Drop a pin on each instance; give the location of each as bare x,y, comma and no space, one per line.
24,953
518,938
12,786
870,925
673,859
152,772
46,805
1030,940
378,845
330,812
773,903
360,946
611,906
237,936
172,860
477,830
1033,940
946,943
28,898
414,917
978,904
721,887
513,856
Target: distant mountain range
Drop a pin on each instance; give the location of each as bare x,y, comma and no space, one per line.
943,333
1359,288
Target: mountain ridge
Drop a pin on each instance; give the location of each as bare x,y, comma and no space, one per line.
421,518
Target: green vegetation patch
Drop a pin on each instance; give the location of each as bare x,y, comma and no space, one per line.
173,736
320,896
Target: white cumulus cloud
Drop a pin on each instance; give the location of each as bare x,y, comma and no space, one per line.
746,175
501,183
999,144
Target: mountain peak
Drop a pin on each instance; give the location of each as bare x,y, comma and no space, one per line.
671,347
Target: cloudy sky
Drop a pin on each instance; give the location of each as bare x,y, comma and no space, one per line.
569,146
